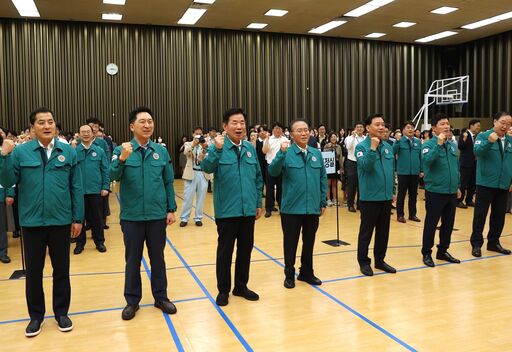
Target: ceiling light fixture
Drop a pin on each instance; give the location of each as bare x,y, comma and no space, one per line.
488,21
257,25
26,8
112,16
114,2
404,24
326,27
444,10
209,2
276,13
437,36
368,7
375,35
191,16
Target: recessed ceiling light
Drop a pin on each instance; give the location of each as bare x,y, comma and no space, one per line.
375,35
112,16
404,24
368,7
204,1
257,25
114,2
327,27
276,13
489,21
191,16
26,8
444,10
437,36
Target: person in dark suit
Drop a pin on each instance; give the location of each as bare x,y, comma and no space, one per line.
467,162
262,135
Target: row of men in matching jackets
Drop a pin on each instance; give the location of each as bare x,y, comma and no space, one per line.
145,171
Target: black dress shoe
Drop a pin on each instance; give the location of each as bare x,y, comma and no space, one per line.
427,260
447,257
352,209
72,240
470,204
199,223
166,306
246,293
78,250
65,324
101,248
222,299
498,248
385,267
274,209
366,270
5,259
183,224
34,328
461,205
312,280
289,283
401,219
414,218
16,234
129,312
476,252
268,214
106,227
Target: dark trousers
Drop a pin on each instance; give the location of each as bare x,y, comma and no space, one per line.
106,209
263,168
240,229
407,184
135,233
93,204
497,200
291,225
374,215
269,198
3,229
352,182
467,183
438,206
35,242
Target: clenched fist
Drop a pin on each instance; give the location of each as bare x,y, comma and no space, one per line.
7,147
219,142
126,151
284,146
375,143
493,137
441,138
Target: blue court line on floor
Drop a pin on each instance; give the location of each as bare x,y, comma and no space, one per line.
351,310
168,320
411,269
203,288
100,310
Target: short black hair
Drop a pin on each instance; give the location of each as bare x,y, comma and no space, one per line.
322,125
369,119
277,124
409,122
263,128
358,123
132,116
231,112
473,122
295,121
388,126
438,117
41,110
93,120
198,128
212,129
12,132
500,114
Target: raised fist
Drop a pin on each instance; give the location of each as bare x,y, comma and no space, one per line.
493,137
126,151
441,138
219,142
7,147
284,146
375,143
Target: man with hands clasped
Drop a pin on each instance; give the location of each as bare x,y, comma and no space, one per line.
303,200
442,180
51,203
147,207
375,171
493,149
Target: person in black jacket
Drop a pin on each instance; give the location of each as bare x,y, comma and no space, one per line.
262,135
467,162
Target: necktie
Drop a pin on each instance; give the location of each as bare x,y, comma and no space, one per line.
237,151
143,153
44,156
501,147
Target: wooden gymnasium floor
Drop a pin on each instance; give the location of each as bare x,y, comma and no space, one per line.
461,307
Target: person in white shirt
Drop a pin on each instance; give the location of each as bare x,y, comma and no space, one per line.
351,163
270,148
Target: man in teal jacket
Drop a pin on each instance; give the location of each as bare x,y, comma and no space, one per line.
51,204
147,206
237,202
304,183
93,165
493,150
442,180
375,171
408,168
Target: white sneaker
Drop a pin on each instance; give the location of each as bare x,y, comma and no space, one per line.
329,203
